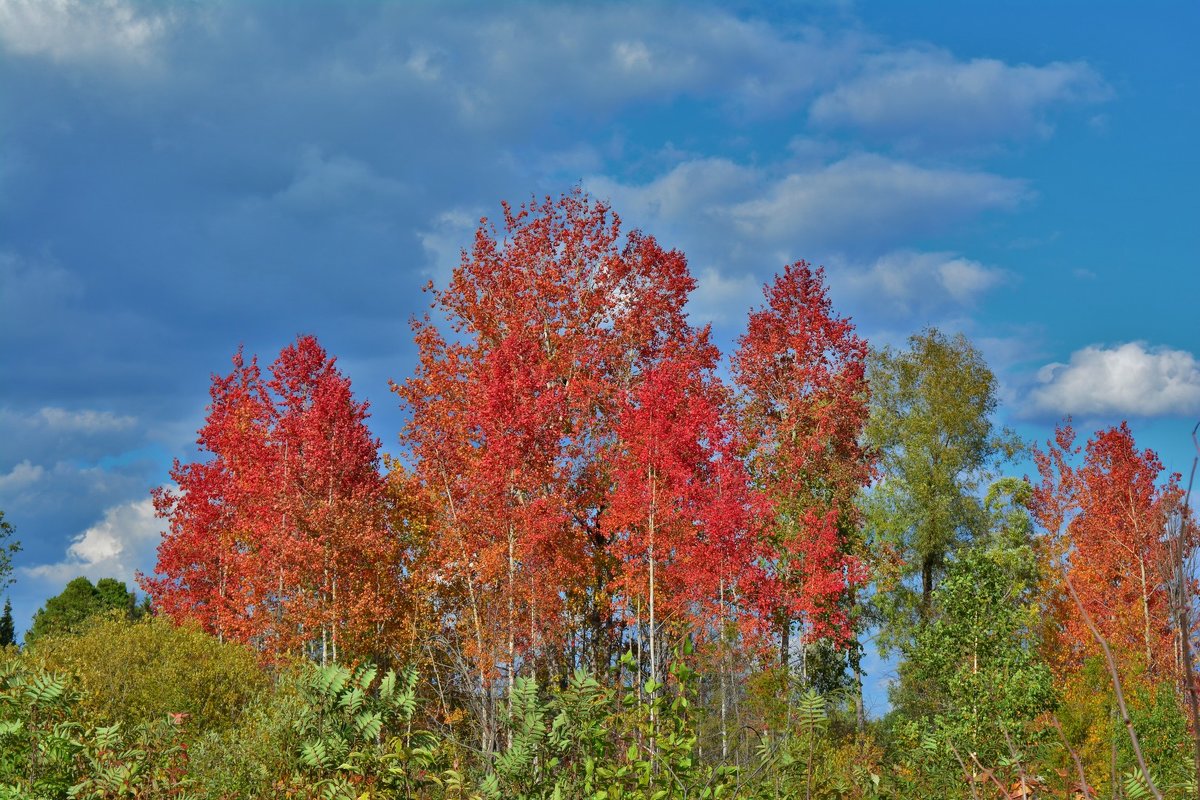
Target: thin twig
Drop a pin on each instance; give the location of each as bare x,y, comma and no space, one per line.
1116,681
1083,784
1017,759
991,774
966,772
1182,611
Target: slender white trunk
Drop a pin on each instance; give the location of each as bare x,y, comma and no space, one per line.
653,632
653,620
1145,610
512,623
220,622
803,658
637,633
724,697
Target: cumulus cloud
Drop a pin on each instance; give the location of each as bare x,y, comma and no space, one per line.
924,96
861,204
507,68
115,547
56,435
907,283
21,476
514,61
1129,379
79,30
871,198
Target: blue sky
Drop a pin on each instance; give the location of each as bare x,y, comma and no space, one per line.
177,179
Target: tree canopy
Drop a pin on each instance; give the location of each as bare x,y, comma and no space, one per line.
75,606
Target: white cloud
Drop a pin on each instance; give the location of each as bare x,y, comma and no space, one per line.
115,547
60,420
634,57
514,65
322,184
1131,378
444,240
720,298
930,97
697,187
21,476
907,283
79,30
866,204
84,422
868,197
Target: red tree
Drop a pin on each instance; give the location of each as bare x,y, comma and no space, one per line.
557,319
279,539
509,421
1107,517
801,373
681,511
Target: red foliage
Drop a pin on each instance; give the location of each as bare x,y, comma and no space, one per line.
279,539
1108,516
801,372
681,504
516,429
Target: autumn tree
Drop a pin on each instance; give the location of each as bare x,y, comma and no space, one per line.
553,322
681,507
801,372
1106,518
931,426
279,539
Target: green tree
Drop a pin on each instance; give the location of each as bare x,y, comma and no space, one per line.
931,427
8,632
70,610
974,676
8,547
1010,537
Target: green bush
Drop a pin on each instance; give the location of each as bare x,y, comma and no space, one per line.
135,673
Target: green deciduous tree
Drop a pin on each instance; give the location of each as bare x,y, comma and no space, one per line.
931,427
974,673
8,546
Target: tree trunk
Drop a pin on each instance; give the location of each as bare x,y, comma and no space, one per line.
333,627
653,623
785,664
1146,612
860,714
926,585
512,625
721,666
